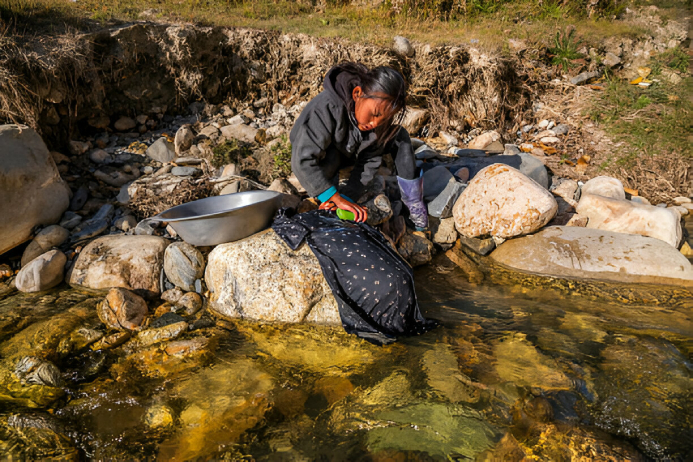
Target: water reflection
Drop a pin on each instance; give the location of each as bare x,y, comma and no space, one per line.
508,375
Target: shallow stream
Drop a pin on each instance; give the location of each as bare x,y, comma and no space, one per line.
509,374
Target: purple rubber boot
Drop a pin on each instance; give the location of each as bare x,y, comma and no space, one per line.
412,196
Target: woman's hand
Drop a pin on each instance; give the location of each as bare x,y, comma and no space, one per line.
337,201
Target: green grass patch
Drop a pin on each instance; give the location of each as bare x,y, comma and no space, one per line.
229,152
281,158
565,48
649,121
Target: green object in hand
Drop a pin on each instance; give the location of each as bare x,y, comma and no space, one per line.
346,215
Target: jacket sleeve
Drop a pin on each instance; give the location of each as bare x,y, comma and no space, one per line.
310,137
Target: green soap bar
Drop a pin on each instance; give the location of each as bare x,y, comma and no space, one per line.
346,215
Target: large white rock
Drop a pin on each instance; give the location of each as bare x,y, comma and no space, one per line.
500,201
604,186
261,278
573,252
628,217
31,189
129,262
42,273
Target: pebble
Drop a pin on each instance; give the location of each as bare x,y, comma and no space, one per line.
161,150
402,46
549,140
124,124
185,171
126,223
70,220
42,273
543,124
148,170
561,129
682,200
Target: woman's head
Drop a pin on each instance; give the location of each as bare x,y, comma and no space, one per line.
379,99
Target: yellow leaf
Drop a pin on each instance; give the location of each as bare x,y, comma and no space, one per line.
582,164
644,72
632,192
636,81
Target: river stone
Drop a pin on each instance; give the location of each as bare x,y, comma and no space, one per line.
443,231
435,181
261,278
185,171
379,210
524,162
441,206
31,189
162,150
629,217
46,239
122,310
190,303
604,186
183,140
124,124
42,273
240,132
416,249
129,262
483,140
573,252
70,220
502,202
183,264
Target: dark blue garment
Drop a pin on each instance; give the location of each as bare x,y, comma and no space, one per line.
373,285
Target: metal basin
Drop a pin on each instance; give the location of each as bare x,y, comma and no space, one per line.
219,219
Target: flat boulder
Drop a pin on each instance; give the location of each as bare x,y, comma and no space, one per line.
501,201
629,217
260,278
130,262
572,252
32,191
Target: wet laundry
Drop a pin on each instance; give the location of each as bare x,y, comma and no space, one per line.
373,285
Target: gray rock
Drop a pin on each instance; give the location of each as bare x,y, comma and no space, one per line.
240,132
70,220
402,46
183,140
230,188
435,181
122,310
89,229
237,120
185,171
585,77
188,161
379,210
524,162
573,252
611,60
183,264
190,303
37,371
210,131
511,150
125,223
124,124
256,278
640,200
77,148
32,192
42,273
604,186
46,239
129,262
79,198
99,156
123,197
561,129
116,178
161,150
441,206
478,246
172,295
443,231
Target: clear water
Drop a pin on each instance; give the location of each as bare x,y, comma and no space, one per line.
508,374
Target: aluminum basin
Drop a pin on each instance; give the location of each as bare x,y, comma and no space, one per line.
219,219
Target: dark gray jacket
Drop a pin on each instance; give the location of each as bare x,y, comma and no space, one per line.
326,137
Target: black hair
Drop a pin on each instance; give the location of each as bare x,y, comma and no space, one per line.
384,80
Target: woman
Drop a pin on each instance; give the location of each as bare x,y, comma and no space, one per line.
354,121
